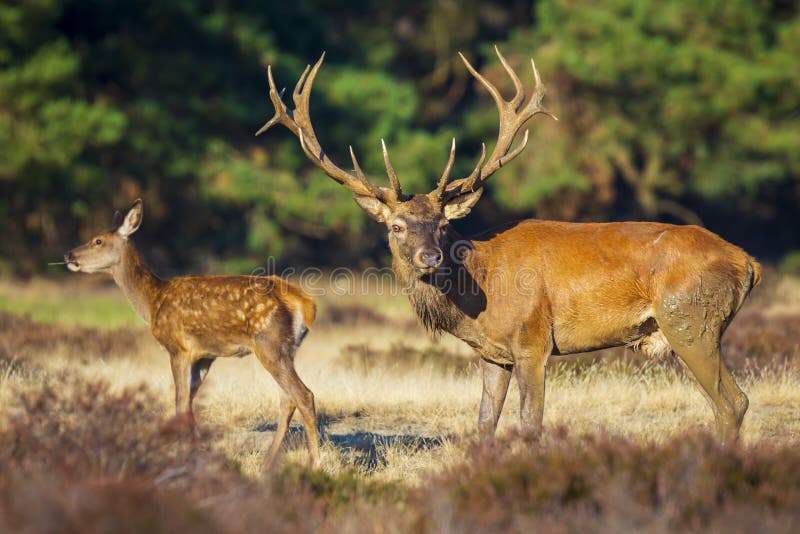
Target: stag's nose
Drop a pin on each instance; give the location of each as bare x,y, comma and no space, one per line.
69,257
429,258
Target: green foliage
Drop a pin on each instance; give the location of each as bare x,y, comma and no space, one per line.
668,109
100,312
680,99
790,263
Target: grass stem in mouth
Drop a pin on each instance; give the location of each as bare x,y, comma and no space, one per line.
57,263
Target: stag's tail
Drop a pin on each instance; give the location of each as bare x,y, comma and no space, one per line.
755,269
751,280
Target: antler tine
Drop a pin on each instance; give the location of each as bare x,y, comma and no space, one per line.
464,185
280,107
356,167
298,88
398,191
514,153
513,115
301,96
298,121
469,182
519,90
438,193
496,96
538,93
378,192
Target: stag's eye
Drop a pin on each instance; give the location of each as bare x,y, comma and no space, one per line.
396,228
98,241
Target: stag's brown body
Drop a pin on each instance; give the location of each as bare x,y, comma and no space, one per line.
583,287
200,318
524,292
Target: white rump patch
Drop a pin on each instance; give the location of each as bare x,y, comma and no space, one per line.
299,326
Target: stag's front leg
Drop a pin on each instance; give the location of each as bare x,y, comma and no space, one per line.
530,372
534,346
495,386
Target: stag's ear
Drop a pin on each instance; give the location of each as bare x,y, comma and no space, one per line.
459,206
132,220
374,207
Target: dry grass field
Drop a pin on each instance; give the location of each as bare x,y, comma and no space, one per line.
86,442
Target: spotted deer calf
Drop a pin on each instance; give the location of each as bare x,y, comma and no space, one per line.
200,318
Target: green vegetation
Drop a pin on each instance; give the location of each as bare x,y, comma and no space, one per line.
103,312
673,110
790,263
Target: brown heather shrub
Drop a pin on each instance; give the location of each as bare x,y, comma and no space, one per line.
600,482
401,357
23,338
53,503
333,315
758,342
80,427
20,369
350,315
77,457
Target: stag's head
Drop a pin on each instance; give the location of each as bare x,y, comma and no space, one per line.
417,224
106,250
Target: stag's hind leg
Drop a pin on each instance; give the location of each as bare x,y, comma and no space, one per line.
277,356
693,326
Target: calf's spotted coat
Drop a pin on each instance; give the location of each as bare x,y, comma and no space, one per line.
200,318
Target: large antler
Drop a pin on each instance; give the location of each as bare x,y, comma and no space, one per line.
298,121
512,116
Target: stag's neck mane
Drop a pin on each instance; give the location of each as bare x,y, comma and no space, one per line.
137,282
438,299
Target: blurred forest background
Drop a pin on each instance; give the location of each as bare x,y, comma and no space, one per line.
671,110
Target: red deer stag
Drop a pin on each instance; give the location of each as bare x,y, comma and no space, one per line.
200,318
570,287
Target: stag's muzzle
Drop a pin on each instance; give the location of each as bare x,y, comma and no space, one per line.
429,259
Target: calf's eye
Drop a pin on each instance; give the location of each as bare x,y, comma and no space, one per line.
98,241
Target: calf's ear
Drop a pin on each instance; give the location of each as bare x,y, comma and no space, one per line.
132,219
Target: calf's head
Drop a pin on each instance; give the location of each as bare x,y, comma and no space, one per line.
106,250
